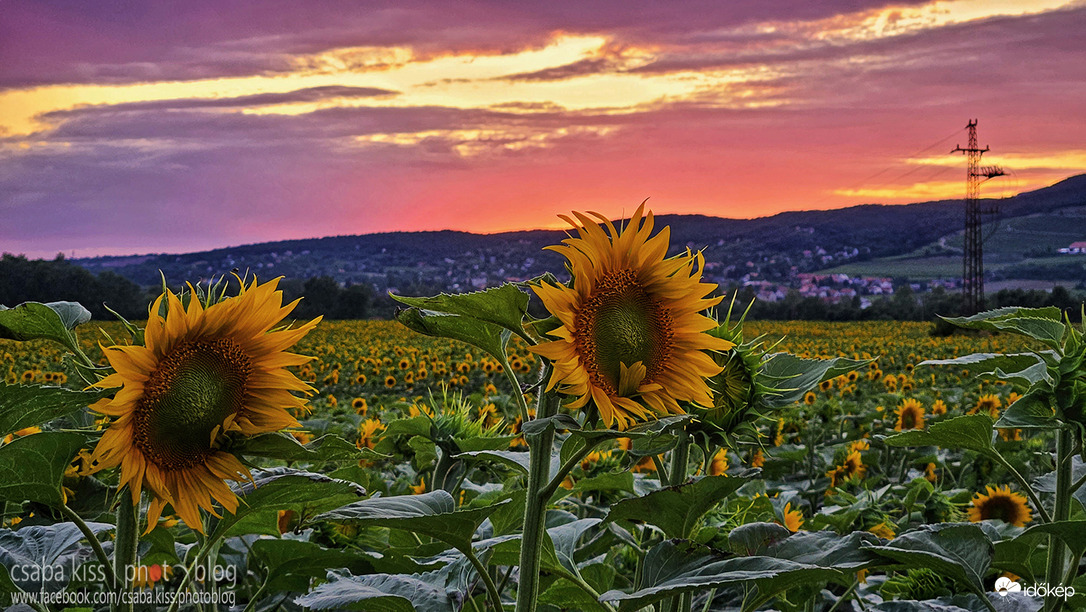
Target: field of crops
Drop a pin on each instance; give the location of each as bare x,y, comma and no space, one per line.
441,415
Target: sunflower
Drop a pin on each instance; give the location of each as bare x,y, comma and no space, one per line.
793,519
719,463
809,398
938,408
852,469
989,403
1000,503
202,372
631,338
360,406
884,530
910,415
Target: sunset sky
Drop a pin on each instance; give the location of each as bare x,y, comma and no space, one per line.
132,126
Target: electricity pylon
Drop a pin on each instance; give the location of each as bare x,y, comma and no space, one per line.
973,259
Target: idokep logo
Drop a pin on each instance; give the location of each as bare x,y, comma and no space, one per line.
1004,585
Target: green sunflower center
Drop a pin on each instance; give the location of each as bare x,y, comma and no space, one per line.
622,324
194,390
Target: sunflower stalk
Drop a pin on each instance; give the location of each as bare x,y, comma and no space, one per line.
124,552
535,505
1057,556
92,539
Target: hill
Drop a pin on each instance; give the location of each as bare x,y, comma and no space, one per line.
874,240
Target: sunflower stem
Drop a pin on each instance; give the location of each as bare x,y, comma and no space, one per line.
1057,557
680,458
535,506
94,543
484,573
1045,516
567,467
124,553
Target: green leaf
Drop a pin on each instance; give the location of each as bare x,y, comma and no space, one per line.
677,510
1025,368
22,406
37,546
562,421
487,336
32,467
1031,411
960,551
1046,483
756,538
674,567
969,432
432,514
787,377
567,596
1039,323
34,321
505,306
285,447
1071,533
378,593
291,564
278,489
827,549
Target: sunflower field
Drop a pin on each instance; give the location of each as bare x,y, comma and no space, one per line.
643,448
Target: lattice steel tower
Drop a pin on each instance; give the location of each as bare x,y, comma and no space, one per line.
973,259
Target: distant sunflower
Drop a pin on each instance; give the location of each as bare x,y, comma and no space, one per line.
989,403
201,373
793,519
719,464
938,408
1001,503
631,338
809,398
910,415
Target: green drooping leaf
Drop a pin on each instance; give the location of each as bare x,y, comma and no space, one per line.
505,306
487,336
560,422
753,539
827,549
567,596
1031,411
34,321
960,551
654,435
970,432
432,514
787,377
610,481
38,546
32,467
979,364
378,593
26,405
291,564
276,489
285,447
1042,324
1071,533
1046,483
565,537
674,567
677,510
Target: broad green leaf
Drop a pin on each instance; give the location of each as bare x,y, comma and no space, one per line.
22,406
755,538
677,510
378,593
487,336
567,596
291,564
1039,323
37,546
1026,369
505,306
432,514
1031,411
654,435
285,447
277,489
34,321
960,551
826,549
788,377
32,467
1046,483
1072,533
674,567
969,432
565,538
560,421
611,481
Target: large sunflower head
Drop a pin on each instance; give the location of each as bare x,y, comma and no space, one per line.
631,337
1000,503
203,372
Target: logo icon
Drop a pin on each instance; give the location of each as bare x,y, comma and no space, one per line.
1004,585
